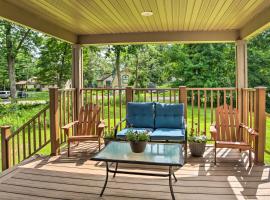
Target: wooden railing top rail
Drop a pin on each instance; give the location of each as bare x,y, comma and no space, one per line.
249,89
146,89
67,90
103,89
220,88
28,122
213,89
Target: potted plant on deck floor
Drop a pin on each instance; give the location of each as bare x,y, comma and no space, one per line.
108,136
197,144
137,140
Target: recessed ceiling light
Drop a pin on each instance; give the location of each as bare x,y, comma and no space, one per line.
147,13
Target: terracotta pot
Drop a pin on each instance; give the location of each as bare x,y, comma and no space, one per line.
138,147
197,149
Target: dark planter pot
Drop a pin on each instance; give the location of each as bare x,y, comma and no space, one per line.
197,149
138,147
107,141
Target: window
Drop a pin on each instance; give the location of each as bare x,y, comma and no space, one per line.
125,79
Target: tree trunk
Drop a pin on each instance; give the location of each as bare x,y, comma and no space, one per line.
60,80
136,72
12,76
117,65
10,62
12,52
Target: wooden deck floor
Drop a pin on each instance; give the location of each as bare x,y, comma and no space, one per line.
79,178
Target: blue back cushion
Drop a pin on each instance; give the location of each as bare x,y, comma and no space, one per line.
140,115
169,116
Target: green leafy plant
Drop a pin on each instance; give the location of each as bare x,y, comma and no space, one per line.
109,135
136,136
198,138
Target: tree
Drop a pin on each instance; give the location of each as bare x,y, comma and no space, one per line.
54,65
116,51
135,50
96,64
16,39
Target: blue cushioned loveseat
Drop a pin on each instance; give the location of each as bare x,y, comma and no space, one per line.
165,122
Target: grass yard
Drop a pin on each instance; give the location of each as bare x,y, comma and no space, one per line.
36,96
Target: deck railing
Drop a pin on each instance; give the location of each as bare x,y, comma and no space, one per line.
201,102
200,114
66,102
26,141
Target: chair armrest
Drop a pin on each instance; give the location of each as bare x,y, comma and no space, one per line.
100,128
117,125
213,131
69,125
102,124
251,131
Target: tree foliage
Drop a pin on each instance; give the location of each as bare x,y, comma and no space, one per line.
54,63
193,65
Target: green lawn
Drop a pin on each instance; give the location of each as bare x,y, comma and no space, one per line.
36,96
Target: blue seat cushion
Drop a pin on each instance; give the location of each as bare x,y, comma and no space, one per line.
122,134
168,134
140,115
169,116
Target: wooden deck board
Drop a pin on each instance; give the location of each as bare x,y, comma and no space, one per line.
78,177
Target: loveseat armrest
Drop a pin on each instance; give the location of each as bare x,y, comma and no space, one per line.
117,125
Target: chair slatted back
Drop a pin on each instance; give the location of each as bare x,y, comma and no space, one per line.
89,118
227,124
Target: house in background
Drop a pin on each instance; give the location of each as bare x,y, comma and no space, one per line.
105,81
31,83
111,80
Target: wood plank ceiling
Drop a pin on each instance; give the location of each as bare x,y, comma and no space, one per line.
124,16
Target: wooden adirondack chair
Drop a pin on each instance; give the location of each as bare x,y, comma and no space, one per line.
228,132
88,127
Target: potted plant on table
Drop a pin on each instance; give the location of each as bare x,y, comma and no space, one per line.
137,140
108,136
197,144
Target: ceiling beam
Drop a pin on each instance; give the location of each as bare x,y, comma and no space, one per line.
256,25
160,37
22,17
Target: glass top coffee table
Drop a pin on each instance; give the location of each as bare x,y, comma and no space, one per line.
160,154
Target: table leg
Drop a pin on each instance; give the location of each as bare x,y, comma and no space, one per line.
116,166
106,180
175,179
170,182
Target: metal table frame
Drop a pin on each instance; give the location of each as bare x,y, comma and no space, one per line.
115,171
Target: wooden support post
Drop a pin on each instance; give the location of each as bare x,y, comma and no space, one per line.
241,71
54,124
5,147
129,94
260,123
77,76
183,98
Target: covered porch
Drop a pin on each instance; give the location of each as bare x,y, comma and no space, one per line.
123,22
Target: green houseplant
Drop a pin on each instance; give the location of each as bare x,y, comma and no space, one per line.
137,140
108,136
197,144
